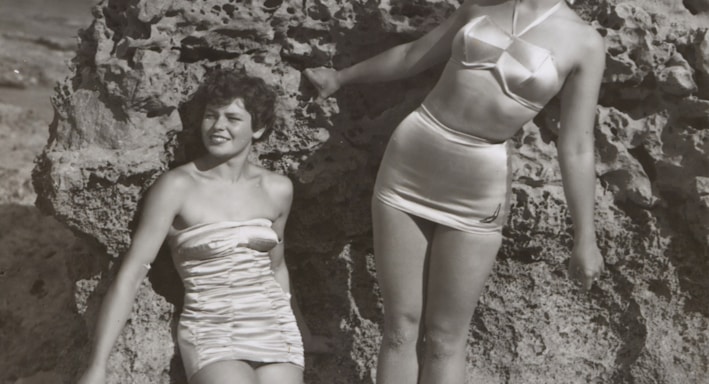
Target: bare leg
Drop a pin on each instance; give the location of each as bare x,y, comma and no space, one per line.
279,373
460,264
400,246
225,372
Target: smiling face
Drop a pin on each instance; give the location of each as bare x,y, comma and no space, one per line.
227,130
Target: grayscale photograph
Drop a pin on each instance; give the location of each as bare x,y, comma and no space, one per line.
354,191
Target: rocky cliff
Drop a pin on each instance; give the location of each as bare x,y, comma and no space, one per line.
124,117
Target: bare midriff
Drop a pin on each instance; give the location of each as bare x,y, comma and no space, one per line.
472,101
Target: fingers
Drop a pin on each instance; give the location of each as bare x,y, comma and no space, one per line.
310,75
308,72
587,278
321,79
584,277
587,282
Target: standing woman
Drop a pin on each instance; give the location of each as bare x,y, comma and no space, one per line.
224,219
443,188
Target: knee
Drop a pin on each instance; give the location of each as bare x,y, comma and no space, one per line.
401,331
442,343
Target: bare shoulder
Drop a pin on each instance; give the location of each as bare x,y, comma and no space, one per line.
174,182
580,43
590,49
167,194
594,42
181,176
580,32
279,187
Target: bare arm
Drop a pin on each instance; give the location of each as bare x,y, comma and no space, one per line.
284,192
576,156
401,61
160,207
283,195
410,58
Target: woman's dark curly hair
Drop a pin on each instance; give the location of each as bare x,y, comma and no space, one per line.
222,86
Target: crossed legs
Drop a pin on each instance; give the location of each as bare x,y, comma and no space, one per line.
430,272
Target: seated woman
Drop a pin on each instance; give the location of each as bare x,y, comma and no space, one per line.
224,219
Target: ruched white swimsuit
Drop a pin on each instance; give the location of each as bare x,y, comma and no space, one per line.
234,308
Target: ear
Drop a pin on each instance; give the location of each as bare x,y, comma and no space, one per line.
257,134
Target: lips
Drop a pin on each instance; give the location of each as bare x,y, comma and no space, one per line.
218,139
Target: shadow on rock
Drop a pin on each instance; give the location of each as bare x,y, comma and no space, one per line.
39,322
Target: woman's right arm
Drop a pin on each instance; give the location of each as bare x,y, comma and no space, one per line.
160,207
401,61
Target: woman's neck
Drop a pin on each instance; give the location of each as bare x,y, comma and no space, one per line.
230,169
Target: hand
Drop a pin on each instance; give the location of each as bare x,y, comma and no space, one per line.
93,375
325,80
317,344
586,264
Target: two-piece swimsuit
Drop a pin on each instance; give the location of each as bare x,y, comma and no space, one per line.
451,177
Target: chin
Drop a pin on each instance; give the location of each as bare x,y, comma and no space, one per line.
223,152
219,153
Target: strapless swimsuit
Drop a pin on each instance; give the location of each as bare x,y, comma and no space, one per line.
234,308
457,179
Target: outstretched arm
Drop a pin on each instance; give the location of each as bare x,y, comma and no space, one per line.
156,218
401,61
576,156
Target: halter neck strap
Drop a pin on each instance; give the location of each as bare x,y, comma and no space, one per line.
534,23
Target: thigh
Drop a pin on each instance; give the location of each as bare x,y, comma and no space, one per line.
401,244
280,373
225,372
459,266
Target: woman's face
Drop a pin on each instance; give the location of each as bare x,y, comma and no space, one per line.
227,129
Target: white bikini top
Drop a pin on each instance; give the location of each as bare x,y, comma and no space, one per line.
526,72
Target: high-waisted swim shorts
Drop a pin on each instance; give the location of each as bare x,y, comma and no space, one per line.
445,176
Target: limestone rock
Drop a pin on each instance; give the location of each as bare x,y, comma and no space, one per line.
125,116
677,80
623,173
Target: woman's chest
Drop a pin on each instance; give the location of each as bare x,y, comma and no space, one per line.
227,203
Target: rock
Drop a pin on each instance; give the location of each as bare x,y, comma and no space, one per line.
634,51
697,6
677,80
617,136
703,53
694,108
701,214
125,116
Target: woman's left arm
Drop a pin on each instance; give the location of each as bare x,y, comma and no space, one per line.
281,188
579,98
283,193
